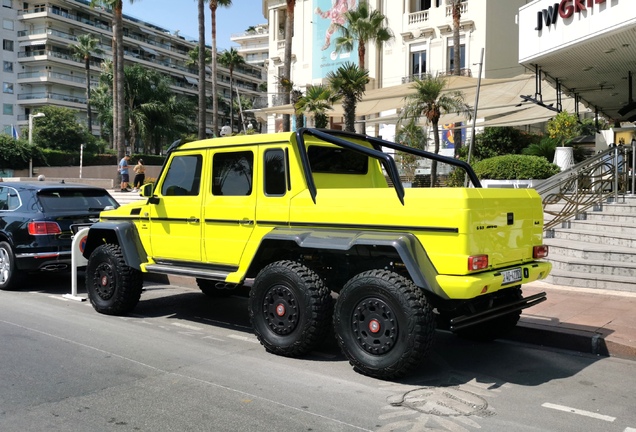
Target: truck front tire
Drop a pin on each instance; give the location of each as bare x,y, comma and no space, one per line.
384,324
290,308
113,287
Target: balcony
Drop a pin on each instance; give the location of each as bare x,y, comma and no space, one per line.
463,8
418,17
47,97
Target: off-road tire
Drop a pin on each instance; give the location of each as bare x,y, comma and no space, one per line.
10,276
290,308
209,288
496,328
113,287
384,324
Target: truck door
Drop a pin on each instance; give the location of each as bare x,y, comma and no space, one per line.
229,210
176,222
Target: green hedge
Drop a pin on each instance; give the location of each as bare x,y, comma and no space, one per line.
513,167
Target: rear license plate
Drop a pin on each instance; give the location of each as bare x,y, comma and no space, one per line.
77,227
511,276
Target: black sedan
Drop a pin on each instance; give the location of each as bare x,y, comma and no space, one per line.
37,223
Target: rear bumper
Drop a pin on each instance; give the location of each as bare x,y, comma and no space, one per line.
44,261
472,286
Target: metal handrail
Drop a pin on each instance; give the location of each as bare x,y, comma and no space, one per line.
605,177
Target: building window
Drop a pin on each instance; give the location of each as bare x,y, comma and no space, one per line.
7,24
39,8
7,88
7,109
7,4
423,5
451,57
7,66
7,45
418,61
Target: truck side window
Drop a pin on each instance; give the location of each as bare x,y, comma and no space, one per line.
275,172
232,173
183,177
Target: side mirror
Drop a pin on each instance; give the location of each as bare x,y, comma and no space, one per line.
147,189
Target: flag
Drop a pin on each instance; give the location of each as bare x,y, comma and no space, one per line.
14,132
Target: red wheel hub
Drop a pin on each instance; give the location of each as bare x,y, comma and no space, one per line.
104,280
374,326
280,310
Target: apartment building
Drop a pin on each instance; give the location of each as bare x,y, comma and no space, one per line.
253,44
423,41
39,69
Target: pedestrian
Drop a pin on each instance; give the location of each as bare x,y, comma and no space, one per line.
123,170
140,175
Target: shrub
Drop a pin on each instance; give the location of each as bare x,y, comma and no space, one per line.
512,167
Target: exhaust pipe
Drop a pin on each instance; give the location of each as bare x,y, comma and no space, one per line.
55,267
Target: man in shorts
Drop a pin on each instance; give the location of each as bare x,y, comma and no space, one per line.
123,170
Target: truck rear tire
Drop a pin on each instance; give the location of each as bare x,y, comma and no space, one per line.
384,324
113,287
290,308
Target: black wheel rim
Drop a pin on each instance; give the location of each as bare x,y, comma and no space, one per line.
104,281
374,326
280,308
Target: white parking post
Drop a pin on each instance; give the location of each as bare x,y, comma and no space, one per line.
77,259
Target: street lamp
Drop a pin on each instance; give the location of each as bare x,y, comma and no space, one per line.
31,117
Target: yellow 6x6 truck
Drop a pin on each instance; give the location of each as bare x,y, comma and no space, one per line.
319,227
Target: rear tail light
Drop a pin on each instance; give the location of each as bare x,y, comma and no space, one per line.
44,228
539,252
477,262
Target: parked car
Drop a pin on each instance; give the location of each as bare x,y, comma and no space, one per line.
37,223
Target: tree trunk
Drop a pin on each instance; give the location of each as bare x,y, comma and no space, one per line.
88,95
202,104
215,101
434,163
231,102
289,29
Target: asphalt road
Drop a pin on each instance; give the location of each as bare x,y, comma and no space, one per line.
184,362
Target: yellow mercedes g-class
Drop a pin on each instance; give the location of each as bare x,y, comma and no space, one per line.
319,227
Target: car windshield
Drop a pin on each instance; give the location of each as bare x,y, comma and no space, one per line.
75,200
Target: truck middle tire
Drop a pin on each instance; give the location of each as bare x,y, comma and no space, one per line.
113,287
384,324
290,308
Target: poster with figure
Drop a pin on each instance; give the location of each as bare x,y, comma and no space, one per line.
448,134
328,14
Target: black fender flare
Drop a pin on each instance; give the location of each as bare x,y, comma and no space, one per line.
122,233
413,255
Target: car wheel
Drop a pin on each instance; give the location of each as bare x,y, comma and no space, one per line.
384,324
212,289
290,308
497,327
10,278
113,287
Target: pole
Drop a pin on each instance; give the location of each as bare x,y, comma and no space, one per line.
81,158
30,145
472,135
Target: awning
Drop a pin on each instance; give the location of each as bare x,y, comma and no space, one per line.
499,102
192,81
149,51
33,42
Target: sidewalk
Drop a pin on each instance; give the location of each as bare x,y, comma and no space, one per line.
592,321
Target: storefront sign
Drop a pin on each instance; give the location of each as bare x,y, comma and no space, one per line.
565,10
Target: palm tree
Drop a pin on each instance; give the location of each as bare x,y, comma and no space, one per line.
86,46
214,5
413,135
349,82
316,101
430,101
456,7
193,61
231,59
287,57
363,25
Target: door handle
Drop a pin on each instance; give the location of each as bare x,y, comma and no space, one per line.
192,219
246,222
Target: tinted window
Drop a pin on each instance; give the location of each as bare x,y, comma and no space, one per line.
336,160
275,172
75,200
232,173
183,177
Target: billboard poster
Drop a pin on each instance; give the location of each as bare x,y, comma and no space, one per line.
327,15
448,134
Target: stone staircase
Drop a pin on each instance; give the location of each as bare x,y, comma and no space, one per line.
597,249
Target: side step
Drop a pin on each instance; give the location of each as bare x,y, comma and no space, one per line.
216,275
